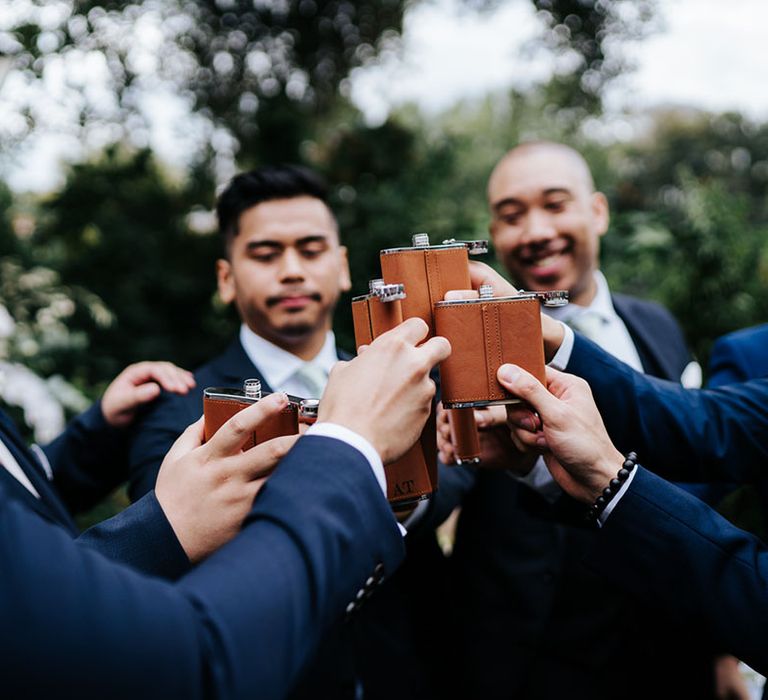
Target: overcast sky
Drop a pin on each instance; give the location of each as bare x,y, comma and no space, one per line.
708,53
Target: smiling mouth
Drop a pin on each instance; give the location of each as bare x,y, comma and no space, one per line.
543,257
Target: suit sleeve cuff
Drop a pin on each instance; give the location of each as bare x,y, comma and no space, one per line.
615,500
353,439
540,480
563,355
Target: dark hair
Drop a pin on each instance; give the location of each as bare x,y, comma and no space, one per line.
270,182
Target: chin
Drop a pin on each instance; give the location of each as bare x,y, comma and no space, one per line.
296,330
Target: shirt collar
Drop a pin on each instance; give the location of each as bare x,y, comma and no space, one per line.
277,364
601,305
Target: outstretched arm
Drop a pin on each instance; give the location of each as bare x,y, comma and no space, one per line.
657,541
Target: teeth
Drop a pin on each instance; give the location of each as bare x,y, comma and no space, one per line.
549,260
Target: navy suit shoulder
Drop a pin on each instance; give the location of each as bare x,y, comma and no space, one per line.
88,460
656,334
667,545
739,356
241,625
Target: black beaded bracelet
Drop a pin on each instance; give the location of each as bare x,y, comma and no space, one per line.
612,489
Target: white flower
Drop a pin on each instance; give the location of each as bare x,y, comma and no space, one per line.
7,324
42,412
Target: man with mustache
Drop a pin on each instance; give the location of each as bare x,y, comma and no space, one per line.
284,270
535,623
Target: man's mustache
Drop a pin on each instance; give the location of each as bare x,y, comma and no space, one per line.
273,301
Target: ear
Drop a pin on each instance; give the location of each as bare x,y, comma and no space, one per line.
345,279
225,280
600,212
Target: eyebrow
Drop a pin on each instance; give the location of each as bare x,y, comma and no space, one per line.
314,238
512,201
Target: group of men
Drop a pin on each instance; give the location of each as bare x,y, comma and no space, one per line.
228,577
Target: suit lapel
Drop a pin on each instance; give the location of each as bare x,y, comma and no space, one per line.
49,504
233,366
649,346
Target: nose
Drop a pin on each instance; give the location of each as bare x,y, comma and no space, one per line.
538,227
291,268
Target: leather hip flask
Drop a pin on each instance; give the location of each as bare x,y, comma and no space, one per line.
428,272
486,333
464,435
221,403
413,477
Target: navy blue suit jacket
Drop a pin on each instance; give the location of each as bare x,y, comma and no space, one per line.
85,461
739,356
240,625
534,622
670,548
718,434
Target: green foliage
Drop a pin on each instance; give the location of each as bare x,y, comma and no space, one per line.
263,70
690,221
700,255
120,229
586,34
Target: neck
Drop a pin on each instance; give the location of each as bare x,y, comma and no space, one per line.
305,346
584,296
309,348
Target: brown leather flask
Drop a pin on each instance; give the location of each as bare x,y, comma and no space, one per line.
464,435
428,272
486,333
410,478
221,403
378,311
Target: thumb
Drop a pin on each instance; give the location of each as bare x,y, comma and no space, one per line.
525,386
191,438
481,274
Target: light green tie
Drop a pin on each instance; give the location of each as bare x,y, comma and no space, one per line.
588,323
314,378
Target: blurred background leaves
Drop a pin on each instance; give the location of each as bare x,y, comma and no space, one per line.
129,239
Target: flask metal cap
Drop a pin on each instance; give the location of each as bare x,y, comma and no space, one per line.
420,240
252,388
552,299
479,247
309,407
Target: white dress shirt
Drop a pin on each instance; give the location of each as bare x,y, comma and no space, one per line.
8,461
608,330
279,367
